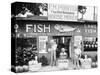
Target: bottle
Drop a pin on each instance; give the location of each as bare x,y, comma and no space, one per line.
87,44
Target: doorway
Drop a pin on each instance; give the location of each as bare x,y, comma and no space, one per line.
62,42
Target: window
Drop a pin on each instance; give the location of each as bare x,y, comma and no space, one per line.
90,44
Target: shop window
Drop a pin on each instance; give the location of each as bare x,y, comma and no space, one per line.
26,50
90,44
62,42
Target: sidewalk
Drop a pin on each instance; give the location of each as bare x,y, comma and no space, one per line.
56,68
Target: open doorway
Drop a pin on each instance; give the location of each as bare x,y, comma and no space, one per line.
62,42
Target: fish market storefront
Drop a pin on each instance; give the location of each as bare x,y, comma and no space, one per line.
33,39
51,37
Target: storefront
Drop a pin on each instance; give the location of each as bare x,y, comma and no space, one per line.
36,35
52,36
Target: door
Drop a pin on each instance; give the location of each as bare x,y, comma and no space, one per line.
63,42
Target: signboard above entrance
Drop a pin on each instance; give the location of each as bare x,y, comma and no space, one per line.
44,28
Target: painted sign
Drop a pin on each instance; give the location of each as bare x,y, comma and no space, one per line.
29,28
47,27
87,13
62,12
90,28
64,28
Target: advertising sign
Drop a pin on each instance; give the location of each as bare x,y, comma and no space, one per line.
77,40
42,44
62,12
87,13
